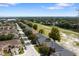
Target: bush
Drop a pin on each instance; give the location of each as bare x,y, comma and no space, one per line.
35,26
44,50
6,53
55,34
30,24
21,50
10,36
33,38
21,25
41,31
28,32
22,41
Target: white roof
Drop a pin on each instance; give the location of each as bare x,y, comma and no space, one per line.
20,32
20,29
25,37
27,41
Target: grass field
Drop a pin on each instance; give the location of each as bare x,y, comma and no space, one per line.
47,29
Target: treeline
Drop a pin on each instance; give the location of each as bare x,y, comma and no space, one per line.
71,23
28,32
6,37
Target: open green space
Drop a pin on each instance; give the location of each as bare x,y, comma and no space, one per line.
47,29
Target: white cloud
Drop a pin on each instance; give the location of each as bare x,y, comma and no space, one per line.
12,4
64,4
4,5
59,6
7,4
52,8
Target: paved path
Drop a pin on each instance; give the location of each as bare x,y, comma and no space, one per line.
30,50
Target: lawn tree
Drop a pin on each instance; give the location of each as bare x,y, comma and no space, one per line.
35,27
28,32
21,25
44,50
55,34
30,24
33,38
41,31
6,37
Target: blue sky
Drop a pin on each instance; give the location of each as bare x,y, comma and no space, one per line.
38,9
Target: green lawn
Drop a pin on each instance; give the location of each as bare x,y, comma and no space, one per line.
47,29
69,32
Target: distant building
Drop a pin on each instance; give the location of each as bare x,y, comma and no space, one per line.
11,19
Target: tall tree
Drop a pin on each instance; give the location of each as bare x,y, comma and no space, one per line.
55,34
41,31
35,26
